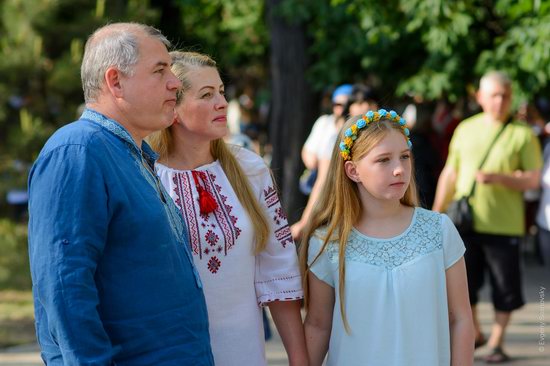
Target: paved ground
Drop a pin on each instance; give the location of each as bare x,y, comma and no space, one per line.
526,331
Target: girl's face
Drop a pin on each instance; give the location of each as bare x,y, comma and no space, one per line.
202,113
385,172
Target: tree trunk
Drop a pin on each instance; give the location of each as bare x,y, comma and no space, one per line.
293,106
170,20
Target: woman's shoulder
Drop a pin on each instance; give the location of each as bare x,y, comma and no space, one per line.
250,162
162,169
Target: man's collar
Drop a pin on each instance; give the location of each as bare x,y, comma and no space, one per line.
122,133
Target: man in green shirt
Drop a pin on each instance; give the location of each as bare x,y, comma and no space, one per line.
512,166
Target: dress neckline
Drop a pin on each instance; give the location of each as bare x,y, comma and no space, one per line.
398,236
202,167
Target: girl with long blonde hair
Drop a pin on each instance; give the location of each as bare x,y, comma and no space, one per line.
238,233
384,280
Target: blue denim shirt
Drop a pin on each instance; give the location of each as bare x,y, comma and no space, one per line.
113,276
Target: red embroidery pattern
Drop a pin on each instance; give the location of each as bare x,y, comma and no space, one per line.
211,237
184,201
283,235
214,264
282,230
271,196
223,215
219,228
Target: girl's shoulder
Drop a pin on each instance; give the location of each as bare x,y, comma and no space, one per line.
316,247
429,217
436,224
318,237
321,234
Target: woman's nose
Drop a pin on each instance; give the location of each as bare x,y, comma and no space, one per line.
222,102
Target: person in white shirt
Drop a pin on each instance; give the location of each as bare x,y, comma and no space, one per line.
317,150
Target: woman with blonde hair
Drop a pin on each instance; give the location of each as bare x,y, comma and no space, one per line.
385,280
239,234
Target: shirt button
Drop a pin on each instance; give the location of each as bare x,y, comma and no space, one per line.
65,242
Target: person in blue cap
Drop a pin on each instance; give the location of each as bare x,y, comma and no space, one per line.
317,150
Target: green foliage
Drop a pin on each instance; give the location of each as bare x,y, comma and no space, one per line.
16,318
41,47
233,32
430,48
14,257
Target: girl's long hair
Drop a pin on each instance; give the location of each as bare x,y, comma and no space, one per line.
339,206
163,143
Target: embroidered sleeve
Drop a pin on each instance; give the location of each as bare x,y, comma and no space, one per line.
277,272
453,246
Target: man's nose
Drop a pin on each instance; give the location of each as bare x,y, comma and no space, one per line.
173,82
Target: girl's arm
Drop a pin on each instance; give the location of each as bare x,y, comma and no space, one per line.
288,320
460,315
318,323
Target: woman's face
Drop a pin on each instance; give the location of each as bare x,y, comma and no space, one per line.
202,112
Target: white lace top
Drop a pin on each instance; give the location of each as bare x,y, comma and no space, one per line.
395,294
236,282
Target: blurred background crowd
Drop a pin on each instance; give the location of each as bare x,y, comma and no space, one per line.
281,61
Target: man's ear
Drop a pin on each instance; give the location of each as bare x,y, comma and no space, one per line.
351,171
113,82
479,97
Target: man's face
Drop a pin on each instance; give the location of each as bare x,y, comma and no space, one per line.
149,94
495,99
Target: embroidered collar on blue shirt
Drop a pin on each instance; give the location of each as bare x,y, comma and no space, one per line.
118,130
176,221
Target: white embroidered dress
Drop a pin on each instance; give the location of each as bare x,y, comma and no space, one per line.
236,282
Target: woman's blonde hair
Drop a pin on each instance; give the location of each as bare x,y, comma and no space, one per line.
339,206
163,143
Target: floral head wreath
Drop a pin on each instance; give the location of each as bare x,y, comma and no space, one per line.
363,122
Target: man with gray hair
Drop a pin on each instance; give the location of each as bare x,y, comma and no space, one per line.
512,165
113,276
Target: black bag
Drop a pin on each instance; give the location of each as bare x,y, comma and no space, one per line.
460,213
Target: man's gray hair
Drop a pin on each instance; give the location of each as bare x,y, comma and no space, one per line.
114,45
495,76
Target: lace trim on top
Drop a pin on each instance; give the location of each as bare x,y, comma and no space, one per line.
423,236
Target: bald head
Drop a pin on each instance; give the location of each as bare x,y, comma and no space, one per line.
114,45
